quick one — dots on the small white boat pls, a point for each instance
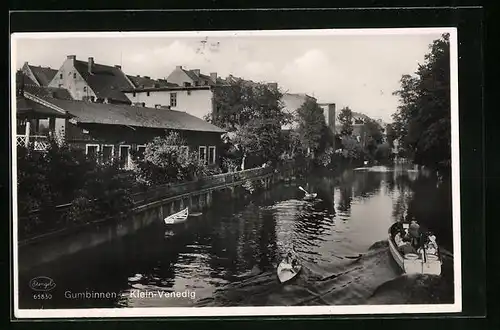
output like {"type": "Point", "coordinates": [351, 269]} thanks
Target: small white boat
{"type": "Point", "coordinates": [177, 217]}
{"type": "Point", "coordinates": [412, 263]}
{"type": "Point", "coordinates": [310, 196]}
{"type": "Point", "coordinates": [286, 272]}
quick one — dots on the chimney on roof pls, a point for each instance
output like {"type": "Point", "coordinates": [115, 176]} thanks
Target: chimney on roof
{"type": "Point", "coordinates": [213, 76]}
{"type": "Point", "coordinates": [196, 71]}
{"type": "Point", "coordinates": [91, 64]}
{"type": "Point", "coordinates": [179, 67]}
{"type": "Point", "coordinates": [71, 57]}
{"type": "Point", "coordinates": [118, 67]}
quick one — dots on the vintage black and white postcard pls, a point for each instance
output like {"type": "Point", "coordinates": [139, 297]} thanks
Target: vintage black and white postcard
{"type": "Point", "coordinates": [231, 173]}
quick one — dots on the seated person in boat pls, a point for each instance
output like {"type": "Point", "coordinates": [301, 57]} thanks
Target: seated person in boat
{"type": "Point", "coordinates": [429, 244]}
{"type": "Point", "coordinates": [432, 247]}
{"type": "Point", "coordinates": [290, 261]}
{"type": "Point", "coordinates": [408, 241]}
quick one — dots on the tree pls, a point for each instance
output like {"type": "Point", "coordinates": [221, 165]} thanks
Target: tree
{"type": "Point", "coordinates": [391, 135]}
{"type": "Point", "coordinates": [422, 121]}
{"type": "Point", "coordinates": [351, 148]}
{"type": "Point", "coordinates": [312, 129]}
{"type": "Point", "coordinates": [345, 119]}
{"type": "Point", "coordinates": [254, 111]}
{"type": "Point", "coordinates": [373, 136]}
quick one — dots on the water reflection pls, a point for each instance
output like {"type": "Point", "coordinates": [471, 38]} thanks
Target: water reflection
{"type": "Point", "coordinates": [229, 254]}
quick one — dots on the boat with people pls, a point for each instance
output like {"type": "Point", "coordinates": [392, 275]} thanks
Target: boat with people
{"type": "Point", "coordinates": [288, 268]}
{"type": "Point", "coordinates": [413, 251]}
{"type": "Point", "coordinates": [178, 217]}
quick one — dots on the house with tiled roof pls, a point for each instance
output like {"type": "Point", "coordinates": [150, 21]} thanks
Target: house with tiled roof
{"type": "Point", "coordinates": [186, 90]}
{"type": "Point", "coordinates": [114, 130]}
{"type": "Point", "coordinates": [88, 80]}
{"type": "Point", "coordinates": [38, 75]}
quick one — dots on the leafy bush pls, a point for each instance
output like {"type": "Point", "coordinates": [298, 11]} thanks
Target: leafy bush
{"type": "Point", "coordinates": [62, 175]}
{"type": "Point", "coordinates": [165, 162]}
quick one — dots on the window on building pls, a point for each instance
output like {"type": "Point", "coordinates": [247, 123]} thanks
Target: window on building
{"type": "Point", "coordinates": [133, 94]}
{"type": "Point", "coordinates": [187, 84]}
{"type": "Point", "coordinates": [124, 156]}
{"type": "Point", "coordinates": [60, 85]}
{"type": "Point", "coordinates": [203, 153]}
{"type": "Point", "coordinates": [107, 153]}
{"type": "Point", "coordinates": [60, 76]}
{"type": "Point", "coordinates": [141, 149]}
{"type": "Point", "coordinates": [147, 93]}
{"type": "Point", "coordinates": [188, 92]}
{"type": "Point", "coordinates": [211, 155]}
{"type": "Point", "coordinates": [85, 89]}
{"type": "Point", "coordinates": [74, 75]}
{"type": "Point", "coordinates": [92, 150]}
{"type": "Point", "coordinates": [173, 99]}
{"type": "Point", "coordinates": [92, 99]}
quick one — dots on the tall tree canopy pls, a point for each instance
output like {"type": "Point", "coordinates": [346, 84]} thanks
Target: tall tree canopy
{"type": "Point", "coordinates": [312, 128]}
{"type": "Point", "coordinates": [254, 112]}
{"type": "Point", "coordinates": [422, 121]}
{"type": "Point", "coordinates": [345, 119]}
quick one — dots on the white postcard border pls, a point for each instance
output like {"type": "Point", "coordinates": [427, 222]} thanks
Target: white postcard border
{"type": "Point", "coordinates": [251, 311]}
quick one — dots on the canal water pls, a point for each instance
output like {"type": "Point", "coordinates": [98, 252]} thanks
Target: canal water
{"type": "Point", "coordinates": [228, 255]}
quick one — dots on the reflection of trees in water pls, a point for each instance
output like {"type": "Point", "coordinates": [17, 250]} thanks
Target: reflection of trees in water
{"type": "Point", "coordinates": [243, 241]}
{"type": "Point", "coordinates": [367, 183]}
{"type": "Point", "coordinates": [400, 207]}
{"type": "Point", "coordinates": [431, 206]}
{"type": "Point", "coordinates": [421, 200]}
{"type": "Point", "coordinates": [345, 198]}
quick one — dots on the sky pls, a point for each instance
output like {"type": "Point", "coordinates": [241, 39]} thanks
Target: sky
{"type": "Point", "coordinates": [360, 71]}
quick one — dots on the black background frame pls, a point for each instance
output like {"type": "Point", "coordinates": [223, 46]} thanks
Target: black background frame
{"type": "Point", "coordinates": [469, 22]}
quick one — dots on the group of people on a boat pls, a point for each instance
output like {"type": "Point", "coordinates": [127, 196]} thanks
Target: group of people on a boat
{"type": "Point", "coordinates": [413, 240]}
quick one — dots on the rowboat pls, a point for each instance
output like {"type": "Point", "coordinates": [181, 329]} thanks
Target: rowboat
{"type": "Point", "coordinates": [177, 217]}
{"type": "Point", "coordinates": [310, 196]}
{"type": "Point", "coordinates": [286, 272]}
{"type": "Point", "coordinates": [412, 263]}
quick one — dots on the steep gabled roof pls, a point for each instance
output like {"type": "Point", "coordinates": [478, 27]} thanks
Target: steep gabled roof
{"type": "Point", "coordinates": [43, 75]}
{"type": "Point", "coordinates": [50, 92]}
{"type": "Point", "coordinates": [21, 78]}
{"type": "Point", "coordinates": [31, 87]}
{"type": "Point", "coordinates": [127, 115]}
{"type": "Point", "coordinates": [106, 81]}
{"type": "Point", "coordinates": [146, 82]}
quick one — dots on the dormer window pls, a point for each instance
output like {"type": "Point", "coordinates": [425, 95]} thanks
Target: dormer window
{"type": "Point", "coordinates": [187, 84]}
